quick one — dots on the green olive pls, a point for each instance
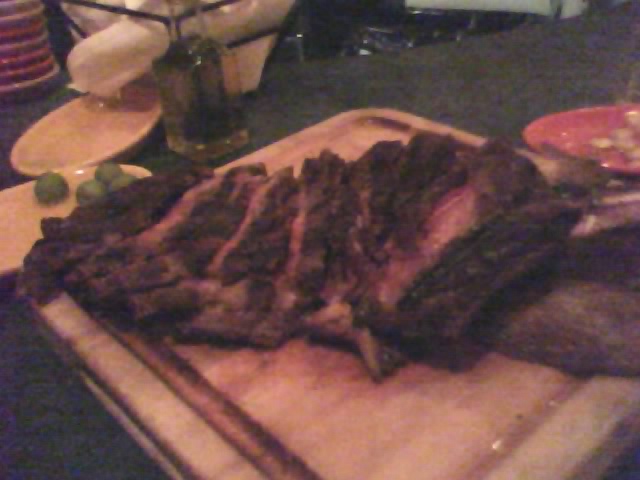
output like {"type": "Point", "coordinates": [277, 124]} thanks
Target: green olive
{"type": "Point", "coordinates": [50, 188]}
{"type": "Point", "coordinates": [122, 181]}
{"type": "Point", "coordinates": [108, 172]}
{"type": "Point", "coordinates": [90, 191]}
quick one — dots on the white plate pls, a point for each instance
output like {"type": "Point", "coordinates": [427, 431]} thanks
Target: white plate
{"type": "Point", "coordinates": [81, 133]}
{"type": "Point", "coordinates": [20, 215]}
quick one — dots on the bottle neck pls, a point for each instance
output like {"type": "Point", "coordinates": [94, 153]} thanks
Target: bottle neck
{"type": "Point", "coordinates": [175, 8]}
{"type": "Point", "coordinates": [199, 14]}
{"type": "Point", "coordinates": [173, 27]}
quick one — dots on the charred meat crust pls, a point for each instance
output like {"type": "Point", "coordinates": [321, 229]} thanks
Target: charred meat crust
{"type": "Point", "coordinates": [475, 263]}
{"type": "Point", "coordinates": [66, 242]}
{"type": "Point", "coordinates": [263, 248]}
{"type": "Point", "coordinates": [127, 212]}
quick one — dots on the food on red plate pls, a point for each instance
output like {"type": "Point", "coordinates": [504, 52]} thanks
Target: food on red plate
{"type": "Point", "coordinates": [623, 141]}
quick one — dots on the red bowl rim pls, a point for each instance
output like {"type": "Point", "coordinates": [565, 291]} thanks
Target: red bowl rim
{"type": "Point", "coordinates": [35, 42]}
{"type": "Point", "coordinates": [38, 68]}
{"type": "Point", "coordinates": [22, 85]}
{"type": "Point", "coordinates": [25, 57]}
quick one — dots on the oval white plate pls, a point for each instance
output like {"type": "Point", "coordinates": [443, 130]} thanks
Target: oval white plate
{"type": "Point", "coordinates": [82, 133]}
{"type": "Point", "coordinates": [21, 214]}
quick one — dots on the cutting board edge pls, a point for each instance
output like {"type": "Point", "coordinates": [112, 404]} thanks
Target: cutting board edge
{"type": "Point", "coordinates": [403, 120]}
{"type": "Point", "coordinates": [107, 399]}
{"type": "Point", "coordinates": [67, 336]}
{"type": "Point", "coordinates": [577, 429]}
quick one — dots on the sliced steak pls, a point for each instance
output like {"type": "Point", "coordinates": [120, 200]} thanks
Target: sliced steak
{"type": "Point", "coordinates": [171, 250]}
{"type": "Point", "coordinates": [215, 217]}
{"type": "Point", "coordinates": [375, 177]}
{"type": "Point", "coordinates": [239, 313]}
{"type": "Point", "coordinates": [383, 184]}
{"type": "Point", "coordinates": [502, 214]}
{"type": "Point", "coordinates": [406, 242]}
{"type": "Point", "coordinates": [443, 300]}
{"type": "Point", "coordinates": [88, 229]}
{"type": "Point", "coordinates": [261, 242]}
{"type": "Point", "coordinates": [248, 267]}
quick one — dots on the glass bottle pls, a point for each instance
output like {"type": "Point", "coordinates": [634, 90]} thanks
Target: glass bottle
{"type": "Point", "coordinates": [200, 93]}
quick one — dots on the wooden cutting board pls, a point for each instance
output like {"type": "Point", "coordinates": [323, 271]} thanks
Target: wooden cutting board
{"type": "Point", "coordinates": [309, 411]}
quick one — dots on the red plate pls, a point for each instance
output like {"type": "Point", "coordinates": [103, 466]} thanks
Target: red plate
{"type": "Point", "coordinates": [572, 132]}
{"type": "Point", "coordinates": [25, 59]}
{"type": "Point", "coordinates": [31, 72]}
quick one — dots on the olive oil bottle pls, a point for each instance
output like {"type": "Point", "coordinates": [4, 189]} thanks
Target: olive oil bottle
{"type": "Point", "coordinates": [200, 93]}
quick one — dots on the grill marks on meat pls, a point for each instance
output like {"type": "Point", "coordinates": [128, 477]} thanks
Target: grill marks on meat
{"type": "Point", "coordinates": [325, 198]}
{"type": "Point", "coordinates": [248, 268]}
{"type": "Point", "coordinates": [344, 210]}
{"type": "Point", "coordinates": [436, 302]}
{"type": "Point", "coordinates": [215, 217]}
{"type": "Point", "coordinates": [405, 242]}
{"type": "Point", "coordinates": [127, 212]}
{"type": "Point", "coordinates": [66, 242]}
{"type": "Point", "coordinates": [154, 237]}
{"type": "Point", "coordinates": [427, 214]}
{"type": "Point", "coordinates": [492, 191]}
{"type": "Point", "coordinates": [375, 178]}
{"type": "Point", "coordinates": [260, 244]}
{"type": "Point", "coordinates": [454, 215]}
{"type": "Point", "coordinates": [387, 249]}
{"type": "Point", "coordinates": [169, 252]}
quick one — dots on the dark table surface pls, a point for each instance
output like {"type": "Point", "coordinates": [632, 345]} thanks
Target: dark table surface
{"type": "Point", "coordinates": [52, 428]}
